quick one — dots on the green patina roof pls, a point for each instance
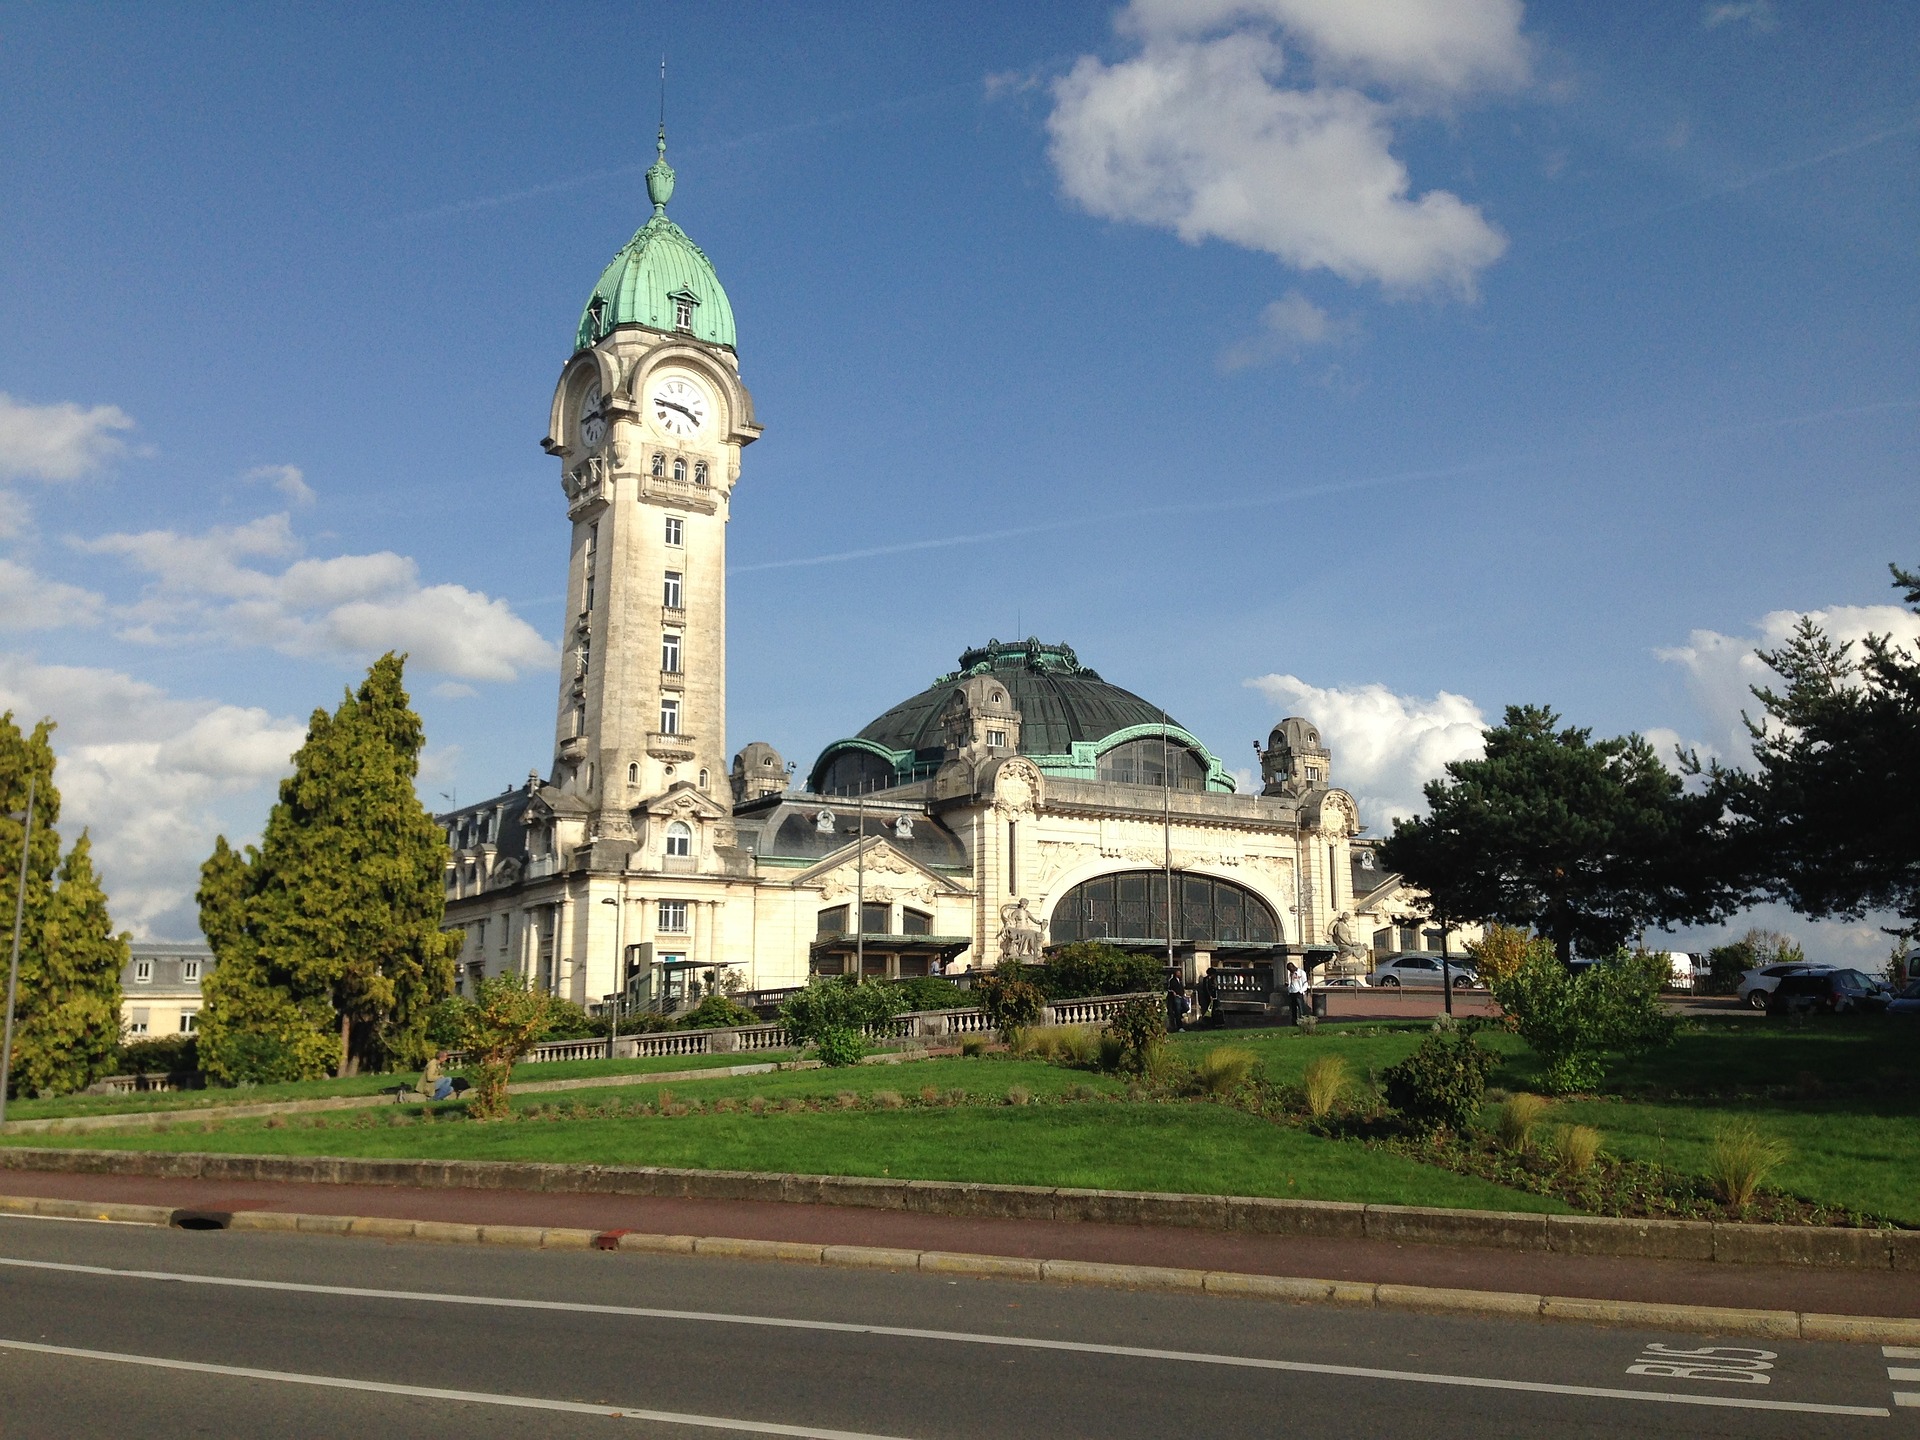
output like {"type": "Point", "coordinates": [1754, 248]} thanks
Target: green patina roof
{"type": "Point", "coordinates": [657, 266]}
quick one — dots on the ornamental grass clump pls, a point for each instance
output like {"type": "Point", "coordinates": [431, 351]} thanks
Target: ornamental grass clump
{"type": "Point", "coordinates": [888, 1100]}
{"type": "Point", "coordinates": [973, 1046]}
{"type": "Point", "coordinates": [1518, 1118]}
{"type": "Point", "coordinates": [1742, 1159]}
{"type": "Point", "coordinates": [1018, 1095]}
{"type": "Point", "coordinates": [1323, 1083]}
{"type": "Point", "coordinates": [1579, 1147]}
{"type": "Point", "coordinates": [1224, 1069]}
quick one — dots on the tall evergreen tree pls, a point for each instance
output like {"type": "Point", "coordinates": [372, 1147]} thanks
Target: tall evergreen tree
{"type": "Point", "coordinates": [1582, 841]}
{"type": "Point", "coordinates": [335, 922]}
{"type": "Point", "coordinates": [67, 1015]}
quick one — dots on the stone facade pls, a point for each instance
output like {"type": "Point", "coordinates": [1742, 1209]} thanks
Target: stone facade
{"type": "Point", "coordinates": [160, 988]}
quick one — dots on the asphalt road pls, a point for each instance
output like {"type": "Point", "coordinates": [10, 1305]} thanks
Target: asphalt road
{"type": "Point", "coordinates": [135, 1332]}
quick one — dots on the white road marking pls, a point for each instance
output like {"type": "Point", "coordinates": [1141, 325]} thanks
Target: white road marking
{"type": "Point", "coordinates": [1901, 1352]}
{"type": "Point", "coordinates": [76, 1219]}
{"type": "Point", "coordinates": [1907, 1397]}
{"type": "Point", "coordinates": [1903, 1372]}
{"type": "Point", "coordinates": [471, 1397]}
{"type": "Point", "coordinates": [1015, 1342]}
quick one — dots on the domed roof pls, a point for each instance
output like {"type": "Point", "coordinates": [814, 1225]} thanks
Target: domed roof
{"type": "Point", "coordinates": [1060, 701]}
{"type": "Point", "coordinates": [658, 267]}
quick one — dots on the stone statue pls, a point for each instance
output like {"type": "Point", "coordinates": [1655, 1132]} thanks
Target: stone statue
{"type": "Point", "coordinates": [1019, 933]}
{"type": "Point", "coordinates": [1354, 957]}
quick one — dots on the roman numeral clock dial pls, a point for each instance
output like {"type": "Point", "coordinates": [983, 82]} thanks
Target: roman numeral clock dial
{"type": "Point", "coordinates": [679, 406]}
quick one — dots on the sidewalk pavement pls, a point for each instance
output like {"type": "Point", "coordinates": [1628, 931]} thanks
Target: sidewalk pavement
{"type": "Point", "coordinates": [1849, 1292]}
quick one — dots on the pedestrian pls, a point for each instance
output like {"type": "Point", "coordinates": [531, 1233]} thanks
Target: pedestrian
{"type": "Point", "coordinates": [1177, 1004]}
{"type": "Point", "coordinates": [434, 1083]}
{"type": "Point", "coordinates": [1296, 991]}
{"type": "Point", "coordinates": [1209, 996]}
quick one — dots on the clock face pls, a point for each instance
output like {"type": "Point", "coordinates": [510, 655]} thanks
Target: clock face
{"type": "Point", "coordinates": [679, 406]}
{"type": "Point", "coordinates": [593, 425]}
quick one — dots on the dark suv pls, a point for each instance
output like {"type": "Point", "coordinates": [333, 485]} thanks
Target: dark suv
{"type": "Point", "coordinates": [1831, 992]}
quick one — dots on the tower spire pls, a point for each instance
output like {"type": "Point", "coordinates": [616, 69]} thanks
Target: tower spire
{"type": "Point", "coordinates": [660, 174]}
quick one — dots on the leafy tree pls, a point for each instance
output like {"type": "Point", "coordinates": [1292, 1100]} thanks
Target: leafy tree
{"type": "Point", "coordinates": [1727, 963]}
{"type": "Point", "coordinates": [335, 953]}
{"type": "Point", "coordinates": [1499, 952]}
{"type": "Point", "coordinates": [832, 1014]}
{"type": "Point", "coordinates": [67, 1013]}
{"type": "Point", "coordinates": [505, 1020]}
{"type": "Point", "coordinates": [1574, 1022]}
{"type": "Point", "coordinates": [1827, 819]}
{"type": "Point", "coordinates": [1584, 841]}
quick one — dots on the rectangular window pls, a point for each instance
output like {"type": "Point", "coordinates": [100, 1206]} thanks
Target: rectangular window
{"type": "Point", "coordinates": [190, 971]}
{"type": "Point", "coordinates": [673, 917]}
{"type": "Point", "coordinates": [676, 530]}
{"type": "Point", "coordinates": [832, 921]}
{"type": "Point", "coordinates": [671, 597]}
{"type": "Point", "coordinates": [579, 720]}
{"type": "Point", "coordinates": [669, 716]}
{"type": "Point", "coordinates": [876, 919]}
{"type": "Point", "coordinates": [139, 1019]}
{"type": "Point", "coordinates": [143, 972]}
{"type": "Point", "coordinates": [915, 922]}
{"type": "Point", "coordinates": [189, 1021]}
{"type": "Point", "coordinates": [670, 652]}
{"type": "Point", "coordinates": [683, 314]}
{"type": "Point", "coordinates": [913, 967]}
{"type": "Point", "coordinates": [996, 739]}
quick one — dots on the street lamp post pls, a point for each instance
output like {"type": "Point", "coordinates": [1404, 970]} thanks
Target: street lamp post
{"type": "Point", "coordinates": [13, 965]}
{"type": "Point", "coordinates": [619, 969]}
{"type": "Point", "coordinates": [1446, 970]}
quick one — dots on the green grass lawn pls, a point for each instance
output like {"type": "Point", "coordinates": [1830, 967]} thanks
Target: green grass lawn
{"type": "Point", "coordinates": [71, 1105]}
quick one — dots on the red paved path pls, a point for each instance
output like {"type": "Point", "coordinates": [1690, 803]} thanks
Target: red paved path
{"type": "Point", "coordinates": [1846, 1292]}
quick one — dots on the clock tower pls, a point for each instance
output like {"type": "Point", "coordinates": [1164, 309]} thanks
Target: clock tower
{"type": "Point", "coordinates": [648, 422]}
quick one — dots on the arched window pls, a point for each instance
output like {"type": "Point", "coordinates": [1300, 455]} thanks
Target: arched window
{"type": "Point", "coordinates": [1131, 907]}
{"type": "Point", "coordinates": [699, 472]}
{"type": "Point", "coordinates": [633, 774]}
{"type": "Point", "coordinates": [1147, 760]}
{"type": "Point", "coordinates": [659, 464]}
{"type": "Point", "coordinates": [704, 777]}
{"type": "Point", "coordinates": [679, 840]}
{"type": "Point", "coordinates": [679, 469]}
{"type": "Point", "coordinates": [854, 771]}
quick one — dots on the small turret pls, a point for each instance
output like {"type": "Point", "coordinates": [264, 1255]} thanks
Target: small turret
{"type": "Point", "coordinates": [1294, 761]}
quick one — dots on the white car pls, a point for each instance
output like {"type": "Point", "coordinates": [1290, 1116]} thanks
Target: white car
{"type": "Point", "coordinates": [1757, 985]}
{"type": "Point", "coordinates": [1423, 971]}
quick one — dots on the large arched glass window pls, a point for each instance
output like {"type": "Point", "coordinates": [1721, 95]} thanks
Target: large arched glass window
{"type": "Point", "coordinates": [855, 771]}
{"type": "Point", "coordinates": [1147, 761]}
{"type": "Point", "coordinates": [679, 839]}
{"type": "Point", "coordinates": [1132, 907]}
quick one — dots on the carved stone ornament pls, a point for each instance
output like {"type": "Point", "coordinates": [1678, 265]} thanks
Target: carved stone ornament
{"type": "Point", "coordinates": [1016, 788]}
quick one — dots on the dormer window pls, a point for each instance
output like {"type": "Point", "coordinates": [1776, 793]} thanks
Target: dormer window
{"type": "Point", "coordinates": [679, 840]}
{"type": "Point", "coordinates": [597, 309]}
{"type": "Point", "coordinates": [903, 827]}
{"type": "Point", "coordinates": [682, 313]}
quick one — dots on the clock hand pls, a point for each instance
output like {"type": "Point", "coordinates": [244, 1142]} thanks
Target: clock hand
{"type": "Point", "coordinates": [671, 405]}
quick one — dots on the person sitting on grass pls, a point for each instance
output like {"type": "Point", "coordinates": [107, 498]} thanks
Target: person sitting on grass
{"type": "Point", "coordinates": [434, 1084]}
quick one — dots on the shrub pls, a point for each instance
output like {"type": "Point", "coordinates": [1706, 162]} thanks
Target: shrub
{"type": "Point", "coordinates": [1573, 1022]}
{"type": "Point", "coordinates": [1518, 1117]}
{"type": "Point", "coordinates": [254, 1057]}
{"type": "Point", "coordinates": [1441, 1084]}
{"type": "Point", "coordinates": [1110, 1051]}
{"type": "Point", "coordinates": [1139, 1025]}
{"type": "Point", "coordinates": [717, 1012]}
{"type": "Point", "coordinates": [888, 1099]}
{"type": "Point", "coordinates": [832, 1014]}
{"type": "Point", "coordinates": [1307, 1024]}
{"type": "Point", "coordinates": [1323, 1082]}
{"type": "Point", "coordinates": [1018, 1095]}
{"type": "Point", "coordinates": [502, 1023]}
{"type": "Point", "coordinates": [1011, 1002]}
{"type": "Point", "coordinates": [171, 1053]}
{"type": "Point", "coordinates": [1088, 967]}
{"type": "Point", "coordinates": [1579, 1148]}
{"type": "Point", "coordinates": [930, 992]}
{"type": "Point", "coordinates": [1224, 1069]}
{"type": "Point", "coordinates": [569, 1022]}
{"type": "Point", "coordinates": [1082, 1092]}
{"type": "Point", "coordinates": [1742, 1159]}
{"type": "Point", "coordinates": [847, 1100]}
{"type": "Point", "coordinates": [973, 1046]}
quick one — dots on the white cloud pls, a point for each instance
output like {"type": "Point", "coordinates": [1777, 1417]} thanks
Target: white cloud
{"type": "Point", "coordinates": [1757, 14]}
{"type": "Point", "coordinates": [1289, 327]}
{"type": "Point", "coordinates": [1198, 133]}
{"type": "Point", "coordinates": [210, 586]}
{"type": "Point", "coordinates": [58, 442]}
{"type": "Point", "coordinates": [1385, 746]}
{"type": "Point", "coordinates": [1723, 669]}
{"type": "Point", "coordinates": [152, 777]}
{"type": "Point", "coordinates": [289, 480]}
{"type": "Point", "coordinates": [29, 601]}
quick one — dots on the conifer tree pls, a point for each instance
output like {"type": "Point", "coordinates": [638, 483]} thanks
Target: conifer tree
{"type": "Point", "coordinates": [67, 1014]}
{"type": "Point", "coordinates": [335, 923]}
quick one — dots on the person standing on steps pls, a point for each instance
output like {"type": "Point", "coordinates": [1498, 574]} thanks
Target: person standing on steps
{"type": "Point", "coordinates": [1296, 991]}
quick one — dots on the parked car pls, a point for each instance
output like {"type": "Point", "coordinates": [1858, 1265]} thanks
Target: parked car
{"type": "Point", "coordinates": [1417, 970]}
{"type": "Point", "coordinates": [1827, 992]}
{"type": "Point", "coordinates": [1757, 985]}
{"type": "Point", "coordinates": [1907, 1002]}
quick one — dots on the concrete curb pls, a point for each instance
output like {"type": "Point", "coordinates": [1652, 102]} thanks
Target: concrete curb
{"type": "Point", "coordinates": [1809, 1246]}
{"type": "Point", "coordinates": [1419, 1299]}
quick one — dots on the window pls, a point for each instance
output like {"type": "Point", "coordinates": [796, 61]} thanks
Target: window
{"type": "Point", "coordinates": [1315, 775]}
{"type": "Point", "coordinates": [1383, 940]}
{"type": "Point", "coordinates": [143, 972]}
{"type": "Point", "coordinates": [673, 915]}
{"type": "Point", "coordinates": [189, 1021]}
{"type": "Point", "coordinates": [915, 922]}
{"type": "Point", "coordinates": [700, 472]}
{"type": "Point", "coordinates": [679, 468]}
{"type": "Point", "coordinates": [592, 551]}
{"type": "Point", "coordinates": [1132, 906]}
{"type": "Point", "coordinates": [633, 774]}
{"type": "Point", "coordinates": [659, 466]}
{"type": "Point", "coordinates": [597, 309]}
{"type": "Point", "coordinates": [679, 839]}
{"type": "Point", "coordinates": [876, 919]}
{"type": "Point", "coordinates": [1145, 762]}
{"type": "Point", "coordinates": [676, 530]}
{"type": "Point", "coordinates": [669, 716]}
{"type": "Point", "coordinates": [996, 739]}
{"type": "Point", "coordinates": [583, 656]}
{"type": "Point", "coordinates": [832, 922]}
{"type": "Point", "coordinates": [480, 935]}
{"type": "Point", "coordinates": [1433, 940]}
{"type": "Point", "coordinates": [704, 777]}
{"type": "Point", "coordinates": [670, 652]}
{"type": "Point", "coordinates": [190, 971]}
{"type": "Point", "coordinates": [682, 314]}
{"type": "Point", "coordinates": [579, 720]}
{"type": "Point", "coordinates": [138, 1021]}
{"type": "Point", "coordinates": [670, 591]}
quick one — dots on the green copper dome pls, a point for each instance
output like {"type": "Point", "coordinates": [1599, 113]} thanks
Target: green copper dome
{"type": "Point", "coordinates": [660, 278]}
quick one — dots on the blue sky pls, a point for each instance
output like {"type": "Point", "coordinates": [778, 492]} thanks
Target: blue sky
{"type": "Point", "coordinates": [1388, 372]}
